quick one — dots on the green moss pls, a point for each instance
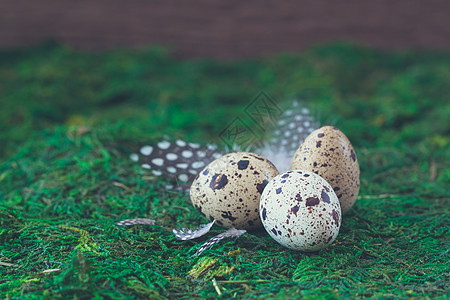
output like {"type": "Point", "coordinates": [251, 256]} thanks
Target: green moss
{"type": "Point", "coordinates": [68, 121]}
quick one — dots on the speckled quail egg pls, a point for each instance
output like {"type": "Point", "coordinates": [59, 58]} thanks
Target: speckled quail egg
{"type": "Point", "coordinates": [328, 153]}
{"type": "Point", "coordinates": [300, 210]}
{"type": "Point", "coordinates": [229, 188]}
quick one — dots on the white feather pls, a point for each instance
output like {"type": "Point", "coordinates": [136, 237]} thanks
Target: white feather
{"type": "Point", "coordinates": [280, 157]}
{"type": "Point", "coordinates": [189, 234]}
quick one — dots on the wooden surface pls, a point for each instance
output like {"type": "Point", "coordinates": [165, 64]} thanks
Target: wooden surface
{"type": "Point", "coordinates": [228, 28]}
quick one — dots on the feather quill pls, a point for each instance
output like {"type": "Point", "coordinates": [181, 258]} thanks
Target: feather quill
{"type": "Point", "coordinates": [185, 234]}
{"type": "Point", "coordinates": [138, 221]}
{"type": "Point", "coordinates": [232, 232]}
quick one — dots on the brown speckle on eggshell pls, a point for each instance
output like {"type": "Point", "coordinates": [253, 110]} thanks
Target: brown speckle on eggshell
{"type": "Point", "coordinates": [305, 215]}
{"type": "Point", "coordinates": [229, 188]}
{"type": "Point", "coordinates": [328, 153]}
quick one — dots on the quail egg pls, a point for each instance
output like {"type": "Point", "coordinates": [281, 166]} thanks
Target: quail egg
{"type": "Point", "coordinates": [328, 153]}
{"type": "Point", "coordinates": [229, 188]}
{"type": "Point", "coordinates": [300, 210]}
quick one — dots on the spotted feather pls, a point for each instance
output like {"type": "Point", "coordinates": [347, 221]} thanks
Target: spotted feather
{"type": "Point", "coordinates": [181, 161]}
{"type": "Point", "coordinates": [291, 129]}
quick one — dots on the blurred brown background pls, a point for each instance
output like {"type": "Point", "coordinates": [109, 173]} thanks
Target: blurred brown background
{"type": "Point", "coordinates": [226, 29]}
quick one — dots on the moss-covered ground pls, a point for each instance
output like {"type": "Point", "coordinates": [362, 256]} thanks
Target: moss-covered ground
{"type": "Point", "coordinates": [69, 120]}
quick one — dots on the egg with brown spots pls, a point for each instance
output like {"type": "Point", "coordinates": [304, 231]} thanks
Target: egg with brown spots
{"type": "Point", "coordinates": [229, 188]}
{"type": "Point", "coordinates": [300, 210]}
{"type": "Point", "coordinates": [328, 153]}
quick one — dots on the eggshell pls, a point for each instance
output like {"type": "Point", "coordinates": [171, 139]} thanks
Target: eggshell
{"type": "Point", "coordinates": [229, 188]}
{"type": "Point", "coordinates": [328, 153]}
{"type": "Point", "coordinates": [300, 211]}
